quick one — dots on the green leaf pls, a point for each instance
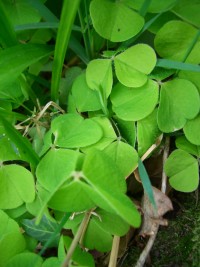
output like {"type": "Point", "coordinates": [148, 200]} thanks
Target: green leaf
{"type": "Point", "coordinates": [80, 257]}
{"type": "Point", "coordinates": [179, 102]}
{"type": "Point", "coordinates": [102, 241]}
{"type": "Point", "coordinates": [147, 132]}
{"type": "Point", "coordinates": [132, 104]}
{"type": "Point", "coordinates": [114, 20]}
{"type": "Point", "coordinates": [56, 167]}
{"type": "Point", "coordinates": [188, 11]}
{"type": "Point", "coordinates": [72, 197]}
{"type": "Point", "coordinates": [52, 261]}
{"type": "Point", "coordinates": [125, 157]}
{"type": "Point", "coordinates": [84, 98]}
{"type": "Point", "coordinates": [155, 6]}
{"type": "Point", "coordinates": [174, 39]}
{"type": "Point", "coordinates": [42, 231]}
{"type": "Point", "coordinates": [133, 65]}
{"type": "Point", "coordinates": [99, 76]}
{"type": "Point", "coordinates": [7, 34]}
{"type": "Point", "coordinates": [17, 58]}
{"type": "Point", "coordinates": [14, 181]}
{"type": "Point", "coordinates": [62, 40]}
{"type": "Point", "coordinates": [192, 77]}
{"type": "Point", "coordinates": [20, 144]}
{"type": "Point", "coordinates": [146, 182]}
{"type": "Point", "coordinates": [11, 240]}
{"type": "Point", "coordinates": [108, 137]}
{"type": "Point", "coordinates": [71, 131]}
{"type": "Point", "coordinates": [21, 12]}
{"type": "Point", "coordinates": [184, 144]}
{"type": "Point", "coordinates": [27, 259]}
{"type": "Point", "coordinates": [183, 171]}
{"type": "Point", "coordinates": [127, 130]}
{"type": "Point", "coordinates": [192, 129]}
{"type": "Point", "coordinates": [107, 187]}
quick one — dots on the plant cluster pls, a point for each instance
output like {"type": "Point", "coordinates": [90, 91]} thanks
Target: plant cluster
{"type": "Point", "coordinates": [124, 77]}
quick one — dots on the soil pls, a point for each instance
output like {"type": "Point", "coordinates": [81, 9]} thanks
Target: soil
{"type": "Point", "coordinates": [178, 244]}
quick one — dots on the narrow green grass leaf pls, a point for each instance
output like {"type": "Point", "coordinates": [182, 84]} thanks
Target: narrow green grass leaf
{"type": "Point", "coordinates": [17, 58]}
{"type": "Point", "coordinates": [144, 7]}
{"type": "Point", "coordinates": [7, 34]}
{"type": "Point", "coordinates": [22, 144]}
{"type": "Point", "coordinates": [43, 10]}
{"type": "Point", "coordinates": [69, 11]}
{"type": "Point", "coordinates": [42, 25]}
{"type": "Point", "coordinates": [56, 232]}
{"type": "Point", "coordinates": [146, 182]}
{"type": "Point", "coordinates": [177, 65]}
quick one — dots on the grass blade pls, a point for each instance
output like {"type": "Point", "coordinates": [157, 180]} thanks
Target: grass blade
{"type": "Point", "coordinates": [14, 60]}
{"type": "Point", "coordinates": [22, 144]}
{"type": "Point", "coordinates": [177, 65]}
{"type": "Point", "coordinates": [146, 182]}
{"type": "Point", "coordinates": [69, 11]}
{"type": "Point", "coordinates": [7, 34]}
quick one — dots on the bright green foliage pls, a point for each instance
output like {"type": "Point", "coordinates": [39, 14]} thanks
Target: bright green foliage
{"type": "Point", "coordinates": [179, 102]}
{"type": "Point", "coordinates": [192, 129]}
{"type": "Point", "coordinates": [147, 132]}
{"type": "Point", "coordinates": [25, 259]}
{"type": "Point", "coordinates": [155, 6]}
{"type": "Point", "coordinates": [124, 155]}
{"type": "Point", "coordinates": [182, 169]}
{"type": "Point", "coordinates": [14, 181]}
{"type": "Point", "coordinates": [17, 58]}
{"type": "Point", "coordinates": [121, 94]}
{"type": "Point", "coordinates": [174, 39]}
{"type": "Point", "coordinates": [133, 104]}
{"type": "Point", "coordinates": [11, 240]}
{"type": "Point", "coordinates": [72, 131]}
{"type": "Point", "coordinates": [189, 11]}
{"type": "Point", "coordinates": [20, 12]}
{"type": "Point", "coordinates": [99, 76]}
{"type": "Point", "coordinates": [133, 65]}
{"type": "Point", "coordinates": [115, 21]}
{"type": "Point", "coordinates": [184, 144]}
{"type": "Point", "coordinates": [83, 97]}
{"type": "Point", "coordinates": [109, 134]}
{"type": "Point", "coordinates": [80, 257]}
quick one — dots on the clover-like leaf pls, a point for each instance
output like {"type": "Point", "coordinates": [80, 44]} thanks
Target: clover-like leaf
{"type": "Point", "coordinates": [184, 144]}
{"type": "Point", "coordinates": [179, 102]}
{"type": "Point", "coordinates": [99, 76]}
{"type": "Point", "coordinates": [155, 6]}
{"type": "Point", "coordinates": [183, 171]}
{"type": "Point", "coordinates": [133, 65]}
{"type": "Point", "coordinates": [83, 97]}
{"type": "Point", "coordinates": [192, 129]}
{"type": "Point", "coordinates": [132, 104]}
{"type": "Point", "coordinates": [115, 20]}
{"type": "Point", "coordinates": [174, 39]}
{"type": "Point", "coordinates": [27, 259]}
{"type": "Point", "coordinates": [147, 132]}
{"type": "Point", "coordinates": [71, 131]}
{"type": "Point", "coordinates": [124, 155]}
{"type": "Point", "coordinates": [14, 181]}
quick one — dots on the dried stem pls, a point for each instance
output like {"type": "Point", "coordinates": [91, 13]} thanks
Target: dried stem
{"type": "Point", "coordinates": [76, 239]}
{"type": "Point", "coordinates": [114, 252]}
{"type": "Point", "coordinates": [143, 256]}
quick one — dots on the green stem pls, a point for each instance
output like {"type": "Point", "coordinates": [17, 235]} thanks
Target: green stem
{"type": "Point", "coordinates": [76, 239]}
{"type": "Point", "coordinates": [144, 7]}
{"type": "Point", "coordinates": [57, 231]}
{"type": "Point", "coordinates": [85, 37]}
{"type": "Point", "coordinates": [191, 45]}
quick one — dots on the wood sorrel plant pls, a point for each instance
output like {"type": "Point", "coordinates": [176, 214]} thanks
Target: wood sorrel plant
{"type": "Point", "coordinates": [125, 75]}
